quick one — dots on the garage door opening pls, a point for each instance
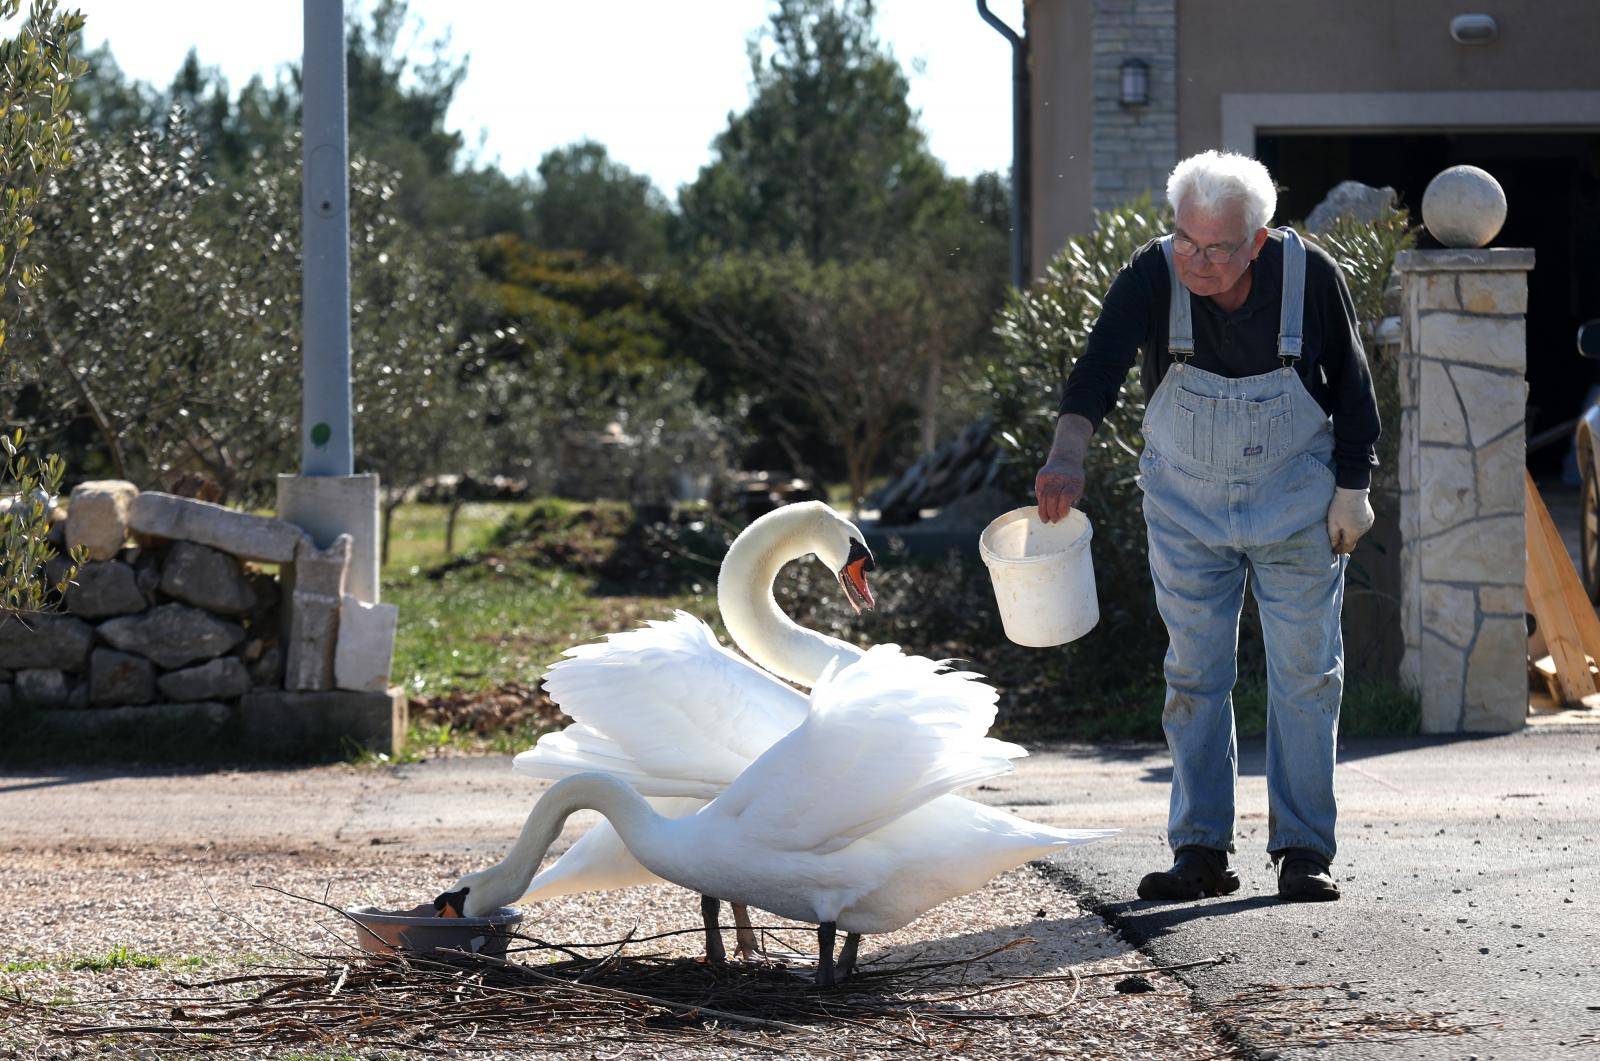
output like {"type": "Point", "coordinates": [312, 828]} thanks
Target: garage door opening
{"type": "Point", "coordinates": [1552, 184]}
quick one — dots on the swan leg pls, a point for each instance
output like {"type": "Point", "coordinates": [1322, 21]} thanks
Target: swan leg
{"type": "Point", "coordinates": [847, 954]}
{"type": "Point", "coordinates": [825, 934]}
{"type": "Point", "coordinates": [746, 948]}
{"type": "Point", "coordinates": [709, 910]}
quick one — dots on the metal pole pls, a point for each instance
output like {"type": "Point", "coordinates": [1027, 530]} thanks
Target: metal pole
{"type": "Point", "coordinates": [1021, 148]}
{"type": "Point", "coordinates": [326, 439]}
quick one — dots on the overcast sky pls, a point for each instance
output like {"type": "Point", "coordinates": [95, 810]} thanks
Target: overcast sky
{"type": "Point", "coordinates": [652, 80]}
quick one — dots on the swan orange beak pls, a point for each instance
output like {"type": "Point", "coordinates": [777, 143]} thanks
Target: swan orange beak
{"type": "Point", "coordinates": [853, 578]}
{"type": "Point", "coordinates": [451, 904]}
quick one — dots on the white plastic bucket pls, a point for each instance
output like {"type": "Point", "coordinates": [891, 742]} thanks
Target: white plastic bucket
{"type": "Point", "coordinates": [1043, 576]}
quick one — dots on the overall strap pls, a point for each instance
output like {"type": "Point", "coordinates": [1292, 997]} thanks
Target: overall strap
{"type": "Point", "coordinates": [1180, 328]}
{"type": "Point", "coordinates": [1291, 322]}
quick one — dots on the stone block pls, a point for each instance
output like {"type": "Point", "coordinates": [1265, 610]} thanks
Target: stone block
{"type": "Point", "coordinates": [59, 642]}
{"type": "Point", "coordinates": [327, 506]}
{"type": "Point", "coordinates": [78, 695]}
{"type": "Point", "coordinates": [283, 722]}
{"type": "Point", "coordinates": [268, 670]}
{"type": "Point", "coordinates": [1464, 259]}
{"type": "Point", "coordinates": [173, 635]}
{"type": "Point", "coordinates": [105, 588]}
{"type": "Point", "coordinates": [147, 574]}
{"type": "Point", "coordinates": [1496, 342]}
{"type": "Point", "coordinates": [240, 534]}
{"type": "Point", "coordinates": [1494, 292]}
{"type": "Point", "coordinates": [1442, 680]}
{"type": "Point", "coordinates": [1437, 291]}
{"type": "Point", "coordinates": [206, 578]}
{"type": "Point", "coordinates": [1449, 612]}
{"type": "Point", "coordinates": [1496, 694]}
{"type": "Point", "coordinates": [366, 644]}
{"type": "Point", "coordinates": [120, 678]}
{"type": "Point", "coordinates": [1503, 600]}
{"type": "Point", "coordinates": [198, 723]}
{"type": "Point", "coordinates": [40, 688]}
{"type": "Point", "coordinates": [1494, 403]}
{"type": "Point", "coordinates": [1448, 488]}
{"type": "Point", "coordinates": [1490, 551]}
{"type": "Point", "coordinates": [1499, 475]}
{"type": "Point", "coordinates": [313, 635]}
{"type": "Point", "coordinates": [1438, 409]}
{"type": "Point", "coordinates": [8, 698]}
{"type": "Point", "coordinates": [97, 517]}
{"type": "Point", "coordinates": [223, 678]}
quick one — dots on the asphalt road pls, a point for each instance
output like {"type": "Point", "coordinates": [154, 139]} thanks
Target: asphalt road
{"type": "Point", "coordinates": [1469, 869]}
{"type": "Point", "coordinates": [1468, 928]}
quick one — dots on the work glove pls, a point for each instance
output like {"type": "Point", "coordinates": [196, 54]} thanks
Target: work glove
{"type": "Point", "coordinates": [1349, 517]}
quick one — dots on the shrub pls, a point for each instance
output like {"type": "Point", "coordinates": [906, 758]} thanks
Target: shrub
{"type": "Point", "coordinates": [1045, 330]}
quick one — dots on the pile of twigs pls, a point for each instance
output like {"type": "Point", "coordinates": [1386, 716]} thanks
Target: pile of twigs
{"type": "Point", "coordinates": [549, 995]}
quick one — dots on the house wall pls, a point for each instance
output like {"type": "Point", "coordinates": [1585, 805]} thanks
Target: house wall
{"type": "Point", "coordinates": [1223, 70]}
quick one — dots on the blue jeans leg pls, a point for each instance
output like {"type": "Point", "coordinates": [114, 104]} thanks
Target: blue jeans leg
{"type": "Point", "coordinates": [1199, 592]}
{"type": "Point", "coordinates": [1299, 586]}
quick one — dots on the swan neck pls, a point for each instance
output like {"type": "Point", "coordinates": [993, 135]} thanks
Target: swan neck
{"type": "Point", "coordinates": [750, 612]}
{"type": "Point", "coordinates": [629, 814]}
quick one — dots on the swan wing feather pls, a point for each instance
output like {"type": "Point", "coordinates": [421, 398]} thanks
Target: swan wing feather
{"type": "Point", "coordinates": [667, 702]}
{"type": "Point", "coordinates": [883, 736]}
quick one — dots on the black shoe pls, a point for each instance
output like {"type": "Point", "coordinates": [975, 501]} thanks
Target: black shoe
{"type": "Point", "coordinates": [1197, 873]}
{"type": "Point", "coordinates": [1303, 876]}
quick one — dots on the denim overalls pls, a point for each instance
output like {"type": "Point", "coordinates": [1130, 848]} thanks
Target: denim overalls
{"type": "Point", "coordinates": [1237, 478]}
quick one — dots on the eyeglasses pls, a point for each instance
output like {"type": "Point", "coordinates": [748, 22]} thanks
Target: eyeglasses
{"type": "Point", "coordinates": [1216, 254]}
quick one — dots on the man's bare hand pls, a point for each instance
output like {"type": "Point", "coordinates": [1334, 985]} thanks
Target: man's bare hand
{"type": "Point", "coordinates": [1059, 486]}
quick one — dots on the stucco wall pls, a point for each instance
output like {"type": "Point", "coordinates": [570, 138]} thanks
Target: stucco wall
{"type": "Point", "coordinates": [1060, 58]}
{"type": "Point", "coordinates": [1375, 52]}
{"type": "Point", "coordinates": [1372, 46]}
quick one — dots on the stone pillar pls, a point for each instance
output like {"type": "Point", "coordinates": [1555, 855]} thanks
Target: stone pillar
{"type": "Point", "coordinates": [1462, 446]}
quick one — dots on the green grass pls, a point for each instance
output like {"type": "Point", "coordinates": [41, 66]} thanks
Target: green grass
{"type": "Point", "coordinates": [416, 534]}
{"type": "Point", "coordinates": [118, 957]}
{"type": "Point", "coordinates": [479, 627]}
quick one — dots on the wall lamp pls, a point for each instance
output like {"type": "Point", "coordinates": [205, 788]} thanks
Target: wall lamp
{"type": "Point", "coordinates": [1135, 83]}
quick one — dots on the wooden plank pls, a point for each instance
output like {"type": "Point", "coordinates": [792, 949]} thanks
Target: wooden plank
{"type": "Point", "coordinates": [1578, 602]}
{"type": "Point", "coordinates": [1550, 579]}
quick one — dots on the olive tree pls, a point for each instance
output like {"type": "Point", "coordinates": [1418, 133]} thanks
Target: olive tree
{"type": "Point", "coordinates": [37, 68]}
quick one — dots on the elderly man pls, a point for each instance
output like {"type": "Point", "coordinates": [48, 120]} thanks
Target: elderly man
{"type": "Point", "coordinates": [1259, 438]}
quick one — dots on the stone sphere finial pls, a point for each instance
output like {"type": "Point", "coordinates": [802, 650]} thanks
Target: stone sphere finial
{"type": "Point", "coordinates": [1464, 206]}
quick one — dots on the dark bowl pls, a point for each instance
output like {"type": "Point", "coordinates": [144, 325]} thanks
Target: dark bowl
{"type": "Point", "coordinates": [386, 931]}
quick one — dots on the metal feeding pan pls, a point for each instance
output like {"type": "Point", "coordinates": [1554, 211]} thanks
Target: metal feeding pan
{"type": "Point", "coordinates": [386, 931]}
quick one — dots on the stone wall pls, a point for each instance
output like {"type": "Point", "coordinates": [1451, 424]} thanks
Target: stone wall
{"type": "Point", "coordinates": [174, 618]}
{"type": "Point", "coordinates": [1134, 148]}
{"type": "Point", "coordinates": [1462, 450]}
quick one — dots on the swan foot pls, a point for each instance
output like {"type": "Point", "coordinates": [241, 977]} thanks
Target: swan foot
{"type": "Point", "coordinates": [746, 948]}
{"type": "Point", "coordinates": [825, 936]}
{"type": "Point", "coordinates": [709, 910]}
{"type": "Point", "coordinates": [847, 954]}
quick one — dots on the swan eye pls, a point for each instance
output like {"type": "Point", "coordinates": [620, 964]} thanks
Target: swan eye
{"type": "Point", "coordinates": [860, 552]}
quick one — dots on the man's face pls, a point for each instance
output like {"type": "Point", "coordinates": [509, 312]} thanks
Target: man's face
{"type": "Point", "coordinates": [1223, 228]}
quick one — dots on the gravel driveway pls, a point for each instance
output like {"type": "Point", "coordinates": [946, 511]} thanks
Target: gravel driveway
{"type": "Point", "coordinates": [120, 884]}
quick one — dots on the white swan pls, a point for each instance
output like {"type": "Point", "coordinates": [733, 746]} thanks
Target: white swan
{"type": "Point", "coordinates": [844, 822]}
{"type": "Point", "coordinates": [674, 713]}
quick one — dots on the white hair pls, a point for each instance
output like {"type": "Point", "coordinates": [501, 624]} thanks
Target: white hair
{"type": "Point", "coordinates": [1214, 179]}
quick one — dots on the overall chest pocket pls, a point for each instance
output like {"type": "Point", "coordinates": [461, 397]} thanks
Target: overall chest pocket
{"type": "Point", "coordinates": [1231, 432]}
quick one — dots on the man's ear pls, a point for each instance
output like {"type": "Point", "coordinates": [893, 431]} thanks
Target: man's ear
{"type": "Point", "coordinates": [1260, 241]}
